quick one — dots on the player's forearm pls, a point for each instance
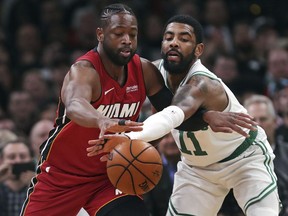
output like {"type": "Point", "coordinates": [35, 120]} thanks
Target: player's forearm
{"type": "Point", "coordinates": [83, 114]}
{"type": "Point", "coordinates": [159, 124]}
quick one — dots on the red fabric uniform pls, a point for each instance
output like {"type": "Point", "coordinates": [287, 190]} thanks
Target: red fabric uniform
{"type": "Point", "coordinates": [67, 179]}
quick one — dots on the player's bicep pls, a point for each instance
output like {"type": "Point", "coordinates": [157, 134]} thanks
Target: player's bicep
{"type": "Point", "coordinates": [190, 97]}
{"type": "Point", "coordinates": [78, 83]}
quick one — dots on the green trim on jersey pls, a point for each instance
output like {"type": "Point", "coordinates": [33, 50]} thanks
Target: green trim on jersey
{"type": "Point", "coordinates": [205, 73]}
{"type": "Point", "coordinates": [173, 211]}
{"type": "Point", "coordinates": [271, 187]}
{"type": "Point", "coordinates": [202, 73]}
{"type": "Point", "coordinates": [243, 147]}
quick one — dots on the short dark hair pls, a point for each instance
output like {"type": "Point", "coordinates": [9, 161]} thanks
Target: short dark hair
{"type": "Point", "coordinates": [112, 9]}
{"type": "Point", "coordinates": [21, 140]}
{"type": "Point", "coordinates": [189, 20]}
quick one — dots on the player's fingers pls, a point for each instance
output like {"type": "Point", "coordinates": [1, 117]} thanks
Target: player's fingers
{"type": "Point", "coordinates": [132, 123]}
{"type": "Point", "coordinates": [104, 158]}
{"type": "Point", "coordinates": [245, 115]}
{"type": "Point", "coordinates": [95, 150]}
{"type": "Point", "coordinates": [94, 153]}
{"type": "Point", "coordinates": [96, 142]}
{"type": "Point", "coordinates": [134, 128]}
{"type": "Point", "coordinates": [222, 129]}
{"type": "Point", "coordinates": [239, 130]}
{"type": "Point", "coordinates": [123, 122]}
{"type": "Point", "coordinates": [247, 119]}
{"type": "Point", "coordinates": [244, 124]}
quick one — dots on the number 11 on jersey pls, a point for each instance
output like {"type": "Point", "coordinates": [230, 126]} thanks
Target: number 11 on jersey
{"type": "Point", "coordinates": [198, 151]}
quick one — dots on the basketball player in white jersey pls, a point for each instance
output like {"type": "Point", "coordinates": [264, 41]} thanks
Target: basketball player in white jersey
{"type": "Point", "coordinates": [212, 163]}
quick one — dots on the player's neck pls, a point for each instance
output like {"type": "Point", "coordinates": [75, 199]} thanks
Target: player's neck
{"type": "Point", "coordinates": [116, 72]}
{"type": "Point", "coordinates": [174, 81]}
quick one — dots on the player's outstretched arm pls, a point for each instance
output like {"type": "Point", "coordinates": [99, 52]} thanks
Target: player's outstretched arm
{"type": "Point", "coordinates": [79, 90]}
{"type": "Point", "coordinates": [162, 122]}
{"type": "Point", "coordinates": [227, 122]}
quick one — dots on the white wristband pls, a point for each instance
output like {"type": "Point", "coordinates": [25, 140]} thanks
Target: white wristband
{"type": "Point", "coordinates": [159, 124]}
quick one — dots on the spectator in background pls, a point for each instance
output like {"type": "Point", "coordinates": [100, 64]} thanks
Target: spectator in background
{"type": "Point", "coordinates": [265, 38]}
{"type": "Point", "coordinates": [58, 70]}
{"type": "Point", "coordinates": [22, 110]}
{"type": "Point", "coordinates": [282, 135]}
{"type": "Point", "coordinates": [6, 75]}
{"type": "Point", "coordinates": [49, 111]}
{"type": "Point", "coordinates": [277, 71]}
{"type": "Point", "coordinates": [6, 136]}
{"type": "Point", "coordinates": [261, 108]}
{"type": "Point", "coordinates": [152, 37]}
{"type": "Point", "coordinates": [7, 123]}
{"type": "Point", "coordinates": [243, 39]}
{"type": "Point", "coordinates": [28, 47]}
{"type": "Point", "coordinates": [6, 83]}
{"type": "Point", "coordinates": [34, 83]}
{"type": "Point", "coordinates": [280, 100]}
{"type": "Point", "coordinates": [226, 68]}
{"type": "Point", "coordinates": [83, 27]}
{"type": "Point", "coordinates": [157, 199]}
{"type": "Point", "coordinates": [16, 13]}
{"type": "Point", "coordinates": [51, 19]}
{"type": "Point", "coordinates": [188, 7]}
{"type": "Point", "coordinates": [39, 133]}
{"type": "Point", "coordinates": [13, 187]}
{"type": "Point", "coordinates": [51, 53]}
{"type": "Point", "coordinates": [217, 32]}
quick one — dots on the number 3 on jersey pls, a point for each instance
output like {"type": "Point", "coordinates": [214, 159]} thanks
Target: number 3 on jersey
{"type": "Point", "coordinates": [198, 151]}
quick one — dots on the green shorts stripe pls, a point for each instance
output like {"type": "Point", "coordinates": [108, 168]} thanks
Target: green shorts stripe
{"type": "Point", "coordinates": [173, 211]}
{"type": "Point", "coordinates": [271, 187]}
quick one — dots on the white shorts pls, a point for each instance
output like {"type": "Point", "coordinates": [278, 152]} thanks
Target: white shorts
{"type": "Point", "coordinates": [200, 191]}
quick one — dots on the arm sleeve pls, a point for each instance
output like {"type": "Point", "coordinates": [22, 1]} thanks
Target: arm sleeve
{"type": "Point", "coordinates": [195, 122]}
{"type": "Point", "coordinates": [159, 124]}
{"type": "Point", "coordinates": [161, 99]}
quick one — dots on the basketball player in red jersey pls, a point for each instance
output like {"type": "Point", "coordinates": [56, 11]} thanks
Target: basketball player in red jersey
{"type": "Point", "coordinates": [108, 83]}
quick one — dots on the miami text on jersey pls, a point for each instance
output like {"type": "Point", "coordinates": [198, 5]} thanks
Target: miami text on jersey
{"type": "Point", "coordinates": [119, 110]}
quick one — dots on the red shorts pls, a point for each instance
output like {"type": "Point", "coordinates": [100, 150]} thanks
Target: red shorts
{"type": "Point", "coordinates": [54, 192]}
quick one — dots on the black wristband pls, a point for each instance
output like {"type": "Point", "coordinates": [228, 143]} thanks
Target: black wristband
{"type": "Point", "coordinates": [195, 122]}
{"type": "Point", "coordinates": [161, 99]}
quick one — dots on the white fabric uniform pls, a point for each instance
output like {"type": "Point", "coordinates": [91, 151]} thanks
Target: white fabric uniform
{"type": "Point", "coordinates": [213, 163]}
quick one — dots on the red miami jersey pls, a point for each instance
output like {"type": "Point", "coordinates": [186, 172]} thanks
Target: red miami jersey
{"type": "Point", "coordinates": [65, 149]}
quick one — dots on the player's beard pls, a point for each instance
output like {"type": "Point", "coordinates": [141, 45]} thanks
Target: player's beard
{"type": "Point", "coordinates": [178, 67]}
{"type": "Point", "coordinates": [115, 57]}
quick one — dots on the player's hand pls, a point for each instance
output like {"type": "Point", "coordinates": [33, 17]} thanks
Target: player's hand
{"type": "Point", "coordinates": [5, 172]}
{"type": "Point", "coordinates": [118, 126]}
{"type": "Point", "coordinates": [105, 144]}
{"type": "Point", "coordinates": [228, 122]}
{"type": "Point", "coordinates": [25, 177]}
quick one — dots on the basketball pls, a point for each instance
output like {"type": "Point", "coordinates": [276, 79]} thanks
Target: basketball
{"type": "Point", "coordinates": [134, 167]}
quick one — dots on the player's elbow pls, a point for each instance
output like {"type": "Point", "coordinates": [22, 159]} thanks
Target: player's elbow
{"type": "Point", "coordinates": [71, 108]}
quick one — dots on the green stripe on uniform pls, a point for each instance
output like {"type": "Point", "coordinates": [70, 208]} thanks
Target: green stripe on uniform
{"type": "Point", "coordinates": [271, 187]}
{"type": "Point", "coordinates": [173, 211]}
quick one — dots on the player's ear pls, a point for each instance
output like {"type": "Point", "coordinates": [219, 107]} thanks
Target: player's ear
{"type": "Point", "coordinates": [199, 49]}
{"type": "Point", "coordinates": [100, 34]}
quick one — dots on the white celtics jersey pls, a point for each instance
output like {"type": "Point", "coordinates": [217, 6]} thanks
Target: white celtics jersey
{"type": "Point", "coordinates": [205, 147]}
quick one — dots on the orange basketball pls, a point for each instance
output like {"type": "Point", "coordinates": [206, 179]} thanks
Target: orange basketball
{"type": "Point", "coordinates": [134, 167]}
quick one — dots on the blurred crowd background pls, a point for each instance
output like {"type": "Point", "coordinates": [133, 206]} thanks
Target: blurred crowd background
{"type": "Point", "coordinates": [246, 44]}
